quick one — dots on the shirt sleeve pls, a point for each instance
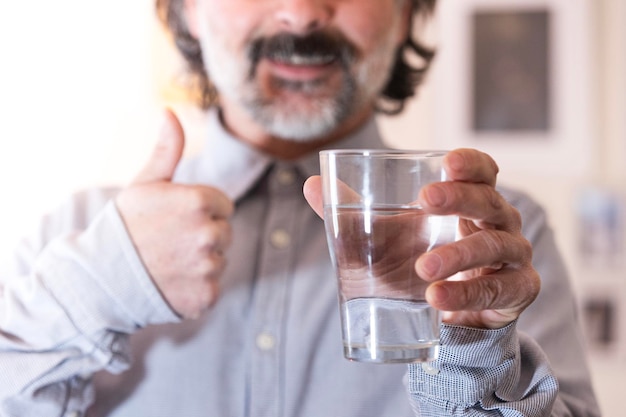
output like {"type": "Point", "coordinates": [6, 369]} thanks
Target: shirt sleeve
{"type": "Point", "coordinates": [66, 311]}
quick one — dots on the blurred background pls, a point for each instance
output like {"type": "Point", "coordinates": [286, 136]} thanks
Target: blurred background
{"type": "Point", "coordinates": [538, 84]}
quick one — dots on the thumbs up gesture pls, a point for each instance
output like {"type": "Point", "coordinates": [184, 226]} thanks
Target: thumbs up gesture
{"type": "Point", "coordinates": [180, 231]}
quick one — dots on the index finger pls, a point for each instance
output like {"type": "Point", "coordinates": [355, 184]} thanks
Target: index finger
{"type": "Point", "coordinates": [471, 165]}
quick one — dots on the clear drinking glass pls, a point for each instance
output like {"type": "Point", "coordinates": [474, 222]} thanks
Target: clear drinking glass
{"type": "Point", "coordinates": [376, 231]}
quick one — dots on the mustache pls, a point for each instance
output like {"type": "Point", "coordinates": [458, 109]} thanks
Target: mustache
{"type": "Point", "coordinates": [316, 48]}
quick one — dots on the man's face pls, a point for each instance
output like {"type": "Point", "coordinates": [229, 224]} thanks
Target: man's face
{"type": "Point", "coordinates": [300, 68]}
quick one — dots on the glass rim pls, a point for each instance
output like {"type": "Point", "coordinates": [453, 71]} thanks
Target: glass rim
{"type": "Point", "coordinates": [384, 152]}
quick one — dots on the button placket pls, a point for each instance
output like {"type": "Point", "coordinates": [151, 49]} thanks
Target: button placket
{"type": "Point", "coordinates": [276, 258]}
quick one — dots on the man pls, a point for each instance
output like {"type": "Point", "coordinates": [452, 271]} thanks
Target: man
{"type": "Point", "coordinates": [204, 288]}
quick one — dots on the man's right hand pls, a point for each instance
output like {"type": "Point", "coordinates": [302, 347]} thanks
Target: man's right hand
{"type": "Point", "coordinates": [180, 231]}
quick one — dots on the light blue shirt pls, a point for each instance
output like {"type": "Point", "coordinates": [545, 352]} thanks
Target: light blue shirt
{"type": "Point", "coordinates": [76, 302]}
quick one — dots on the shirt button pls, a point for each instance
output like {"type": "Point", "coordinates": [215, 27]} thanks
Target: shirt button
{"type": "Point", "coordinates": [74, 414]}
{"type": "Point", "coordinates": [285, 177]}
{"type": "Point", "coordinates": [429, 369]}
{"type": "Point", "coordinates": [265, 341]}
{"type": "Point", "coordinates": [280, 239]}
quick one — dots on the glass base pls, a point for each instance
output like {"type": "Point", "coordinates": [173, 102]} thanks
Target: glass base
{"type": "Point", "coordinates": [427, 353]}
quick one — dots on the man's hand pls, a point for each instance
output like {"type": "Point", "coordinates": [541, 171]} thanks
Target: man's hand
{"type": "Point", "coordinates": [180, 231]}
{"type": "Point", "coordinates": [494, 280]}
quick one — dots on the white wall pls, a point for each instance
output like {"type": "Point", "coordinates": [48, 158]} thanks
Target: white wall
{"type": "Point", "coordinates": [78, 107]}
{"type": "Point", "coordinates": [75, 93]}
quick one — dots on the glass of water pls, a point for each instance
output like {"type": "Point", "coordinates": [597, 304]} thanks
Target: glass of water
{"type": "Point", "coordinates": [376, 231]}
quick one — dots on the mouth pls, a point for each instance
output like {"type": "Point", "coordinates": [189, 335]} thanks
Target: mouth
{"type": "Point", "coordinates": [302, 67]}
{"type": "Point", "coordinates": [309, 58]}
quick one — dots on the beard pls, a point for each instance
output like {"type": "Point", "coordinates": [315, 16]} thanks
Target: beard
{"type": "Point", "coordinates": [292, 109]}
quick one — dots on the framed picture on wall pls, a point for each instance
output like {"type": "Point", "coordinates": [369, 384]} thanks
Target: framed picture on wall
{"type": "Point", "coordinates": [510, 71]}
{"type": "Point", "coordinates": [513, 79]}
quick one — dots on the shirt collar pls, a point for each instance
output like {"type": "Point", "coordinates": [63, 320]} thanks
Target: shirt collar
{"type": "Point", "coordinates": [366, 137]}
{"type": "Point", "coordinates": [234, 167]}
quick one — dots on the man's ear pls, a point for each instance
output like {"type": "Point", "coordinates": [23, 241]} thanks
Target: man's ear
{"type": "Point", "coordinates": [190, 13]}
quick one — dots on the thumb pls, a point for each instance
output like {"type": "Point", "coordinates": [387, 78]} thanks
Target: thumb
{"type": "Point", "coordinates": [167, 152]}
{"type": "Point", "coordinates": [312, 191]}
{"type": "Point", "coordinates": [313, 194]}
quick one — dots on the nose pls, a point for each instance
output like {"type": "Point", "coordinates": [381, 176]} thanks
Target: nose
{"type": "Point", "coordinates": [303, 16]}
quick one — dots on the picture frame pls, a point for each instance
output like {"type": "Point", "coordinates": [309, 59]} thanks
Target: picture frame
{"type": "Point", "coordinates": [551, 131]}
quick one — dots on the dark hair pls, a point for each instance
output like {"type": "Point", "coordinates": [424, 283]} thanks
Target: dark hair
{"type": "Point", "coordinates": [404, 79]}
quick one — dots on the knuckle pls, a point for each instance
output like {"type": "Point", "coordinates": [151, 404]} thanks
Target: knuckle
{"type": "Point", "coordinates": [493, 197]}
{"type": "Point", "coordinates": [229, 207]}
{"type": "Point", "coordinates": [225, 233]}
{"type": "Point", "coordinates": [207, 236]}
{"type": "Point", "coordinates": [488, 165]}
{"type": "Point", "coordinates": [515, 219]}
{"type": "Point", "coordinates": [484, 293]}
{"type": "Point", "coordinates": [226, 241]}
{"type": "Point", "coordinates": [468, 295]}
{"type": "Point", "coordinates": [462, 253]}
{"type": "Point", "coordinates": [214, 236]}
{"type": "Point", "coordinates": [493, 164]}
{"type": "Point", "coordinates": [492, 290]}
{"type": "Point", "coordinates": [494, 242]}
{"type": "Point", "coordinates": [526, 250]}
{"type": "Point", "coordinates": [534, 286]}
{"type": "Point", "coordinates": [194, 198]}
